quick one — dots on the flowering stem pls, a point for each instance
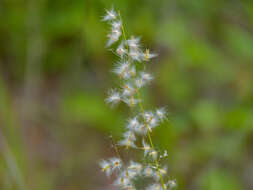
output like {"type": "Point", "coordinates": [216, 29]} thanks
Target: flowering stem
{"type": "Point", "coordinates": [142, 110]}
{"type": "Point", "coordinates": [150, 141]}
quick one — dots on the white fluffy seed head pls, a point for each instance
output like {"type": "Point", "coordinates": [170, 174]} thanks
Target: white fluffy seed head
{"type": "Point", "coordinates": [134, 43]}
{"type": "Point", "coordinates": [106, 167]}
{"type": "Point", "coordinates": [128, 90]}
{"type": "Point", "coordinates": [141, 129]}
{"type": "Point", "coordinates": [129, 140]}
{"type": "Point", "coordinates": [116, 163]}
{"type": "Point", "coordinates": [110, 15]}
{"type": "Point", "coordinates": [151, 119]}
{"type": "Point", "coordinates": [143, 79]}
{"type": "Point", "coordinates": [153, 154]}
{"type": "Point", "coordinates": [135, 166]}
{"type": "Point", "coordinates": [172, 184]}
{"type": "Point", "coordinates": [146, 77]}
{"type": "Point", "coordinates": [146, 56]}
{"type": "Point", "coordinates": [133, 124]}
{"type": "Point", "coordinates": [113, 37]}
{"type": "Point", "coordinates": [113, 98]}
{"type": "Point", "coordinates": [122, 69]}
{"type": "Point", "coordinates": [122, 181]}
{"type": "Point", "coordinates": [135, 54]}
{"type": "Point", "coordinates": [116, 25]}
{"type": "Point", "coordinates": [131, 50]}
{"type": "Point", "coordinates": [161, 114]}
{"type": "Point", "coordinates": [121, 51]}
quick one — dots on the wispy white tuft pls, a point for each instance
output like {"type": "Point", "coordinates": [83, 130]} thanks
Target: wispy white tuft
{"type": "Point", "coordinates": [122, 69]}
{"type": "Point", "coordinates": [106, 167]}
{"type": "Point", "coordinates": [121, 50]}
{"type": "Point", "coordinates": [110, 15]}
{"type": "Point", "coordinates": [115, 163]}
{"type": "Point", "coordinates": [161, 114]}
{"type": "Point", "coordinates": [128, 90]}
{"type": "Point", "coordinates": [172, 184]}
{"type": "Point", "coordinates": [114, 97]}
{"type": "Point", "coordinates": [129, 140]}
{"type": "Point", "coordinates": [113, 37]}
{"type": "Point", "coordinates": [146, 56]}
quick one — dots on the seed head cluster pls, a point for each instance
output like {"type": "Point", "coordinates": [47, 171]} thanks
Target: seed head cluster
{"type": "Point", "coordinates": [130, 57]}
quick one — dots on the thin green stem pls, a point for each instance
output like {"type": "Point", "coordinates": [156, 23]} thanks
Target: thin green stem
{"type": "Point", "coordinates": [150, 141]}
{"type": "Point", "coordinates": [123, 30]}
{"type": "Point", "coordinates": [142, 109]}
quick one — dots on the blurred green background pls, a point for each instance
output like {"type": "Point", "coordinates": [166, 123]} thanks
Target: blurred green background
{"type": "Point", "coordinates": [55, 71]}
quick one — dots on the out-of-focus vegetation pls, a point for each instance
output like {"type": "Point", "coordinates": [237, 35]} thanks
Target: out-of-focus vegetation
{"type": "Point", "coordinates": [54, 73]}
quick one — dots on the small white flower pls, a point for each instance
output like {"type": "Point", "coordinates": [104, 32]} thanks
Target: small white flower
{"type": "Point", "coordinates": [129, 139]}
{"type": "Point", "coordinates": [116, 25]}
{"type": "Point", "coordinates": [106, 167]}
{"type": "Point", "coordinates": [151, 119]}
{"type": "Point", "coordinates": [122, 69]}
{"type": "Point", "coordinates": [113, 37]}
{"type": "Point", "coordinates": [134, 49]}
{"type": "Point", "coordinates": [153, 154]}
{"type": "Point", "coordinates": [143, 79]}
{"type": "Point", "coordinates": [128, 90]}
{"type": "Point", "coordinates": [134, 43]}
{"type": "Point", "coordinates": [115, 163]}
{"type": "Point", "coordinates": [121, 51]}
{"type": "Point", "coordinates": [122, 181]}
{"type": "Point", "coordinates": [147, 55]}
{"type": "Point", "coordinates": [161, 113]}
{"type": "Point", "coordinates": [146, 76]}
{"type": "Point", "coordinates": [141, 129]}
{"type": "Point", "coordinates": [133, 124]}
{"type": "Point", "coordinates": [114, 97]}
{"type": "Point", "coordinates": [135, 54]}
{"type": "Point", "coordinates": [134, 166]}
{"type": "Point", "coordinates": [110, 15]}
{"type": "Point", "coordinates": [172, 184]}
